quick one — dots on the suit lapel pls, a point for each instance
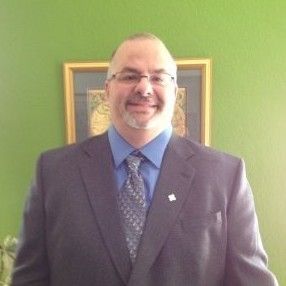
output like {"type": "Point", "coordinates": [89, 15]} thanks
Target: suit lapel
{"type": "Point", "coordinates": [174, 185]}
{"type": "Point", "coordinates": [96, 170]}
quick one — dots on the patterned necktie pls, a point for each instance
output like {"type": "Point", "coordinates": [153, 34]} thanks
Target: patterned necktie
{"type": "Point", "coordinates": [132, 205]}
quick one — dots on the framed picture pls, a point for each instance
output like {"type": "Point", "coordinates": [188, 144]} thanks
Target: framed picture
{"type": "Point", "coordinates": [87, 113]}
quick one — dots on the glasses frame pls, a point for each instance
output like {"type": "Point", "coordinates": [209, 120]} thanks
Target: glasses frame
{"type": "Point", "coordinates": [98, 69]}
{"type": "Point", "coordinates": [140, 76]}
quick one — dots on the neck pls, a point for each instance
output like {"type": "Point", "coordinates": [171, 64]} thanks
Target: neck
{"type": "Point", "coordinates": [138, 137]}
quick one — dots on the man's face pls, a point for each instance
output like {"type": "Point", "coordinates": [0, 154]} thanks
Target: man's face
{"type": "Point", "coordinates": [142, 104]}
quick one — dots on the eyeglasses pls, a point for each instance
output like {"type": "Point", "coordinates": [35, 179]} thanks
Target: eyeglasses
{"type": "Point", "coordinates": [159, 79]}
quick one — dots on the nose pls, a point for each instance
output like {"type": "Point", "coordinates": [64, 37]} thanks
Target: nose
{"type": "Point", "coordinates": [144, 87]}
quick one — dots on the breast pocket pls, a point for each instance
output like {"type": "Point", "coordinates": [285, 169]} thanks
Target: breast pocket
{"type": "Point", "coordinates": [200, 241]}
{"type": "Point", "coordinates": [207, 220]}
{"type": "Point", "coordinates": [205, 234]}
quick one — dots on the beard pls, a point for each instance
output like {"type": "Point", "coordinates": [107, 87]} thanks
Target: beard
{"type": "Point", "coordinates": [138, 124]}
{"type": "Point", "coordinates": [161, 116]}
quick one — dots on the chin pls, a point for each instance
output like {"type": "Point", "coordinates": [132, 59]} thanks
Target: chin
{"type": "Point", "coordinates": [154, 123]}
{"type": "Point", "coordinates": [135, 123]}
{"type": "Point", "coordinates": [157, 121]}
{"type": "Point", "coordinates": [139, 125]}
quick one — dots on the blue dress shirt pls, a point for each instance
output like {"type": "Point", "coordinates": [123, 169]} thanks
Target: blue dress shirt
{"type": "Point", "coordinates": [150, 169]}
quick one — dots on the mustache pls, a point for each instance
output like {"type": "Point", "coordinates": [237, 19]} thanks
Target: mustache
{"type": "Point", "coordinates": [138, 97]}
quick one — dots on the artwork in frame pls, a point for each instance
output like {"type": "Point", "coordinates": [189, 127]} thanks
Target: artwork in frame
{"type": "Point", "coordinates": [87, 113]}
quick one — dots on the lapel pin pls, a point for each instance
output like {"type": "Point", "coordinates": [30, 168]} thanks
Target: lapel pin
{"type": "Point", "coordinates": [172, 197]}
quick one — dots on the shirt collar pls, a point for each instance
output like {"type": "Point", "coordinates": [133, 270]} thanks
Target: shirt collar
{"type": "Point", "coordinates": [153, 151]}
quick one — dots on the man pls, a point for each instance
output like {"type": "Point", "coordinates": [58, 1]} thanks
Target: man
{"type": "Point", "coordinates": [186, 217]}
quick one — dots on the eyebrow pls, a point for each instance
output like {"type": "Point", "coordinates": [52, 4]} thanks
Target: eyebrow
{"type": "Point", "coordinates": [134, 70]}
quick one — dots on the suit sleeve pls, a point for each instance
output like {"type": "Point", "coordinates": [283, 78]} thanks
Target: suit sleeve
{"type": "Point", "coordinates": [246, 259]}
{"type": "Point", "coordinates": [31, 264]}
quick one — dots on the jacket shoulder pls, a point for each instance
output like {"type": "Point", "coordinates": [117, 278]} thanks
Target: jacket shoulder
{"type": "Point", "coordinates": [202, 153]}
{"type": "Point", "coordinates": [72, 151]}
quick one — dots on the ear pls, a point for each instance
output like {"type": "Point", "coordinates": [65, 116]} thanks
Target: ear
{"type": "Point", "coordinates": [106, 88]}
{"type": "Point", "coordinates": [176, 90]}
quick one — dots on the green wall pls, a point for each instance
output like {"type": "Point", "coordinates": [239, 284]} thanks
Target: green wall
{"type": "Point", "coordinates": [245, 39]}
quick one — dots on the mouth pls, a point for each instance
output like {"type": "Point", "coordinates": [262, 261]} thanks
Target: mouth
{"type": "Point", "coordinates": [141, 106]}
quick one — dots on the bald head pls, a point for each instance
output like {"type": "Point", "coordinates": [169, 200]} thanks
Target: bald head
{"type": "Point", "coordinates": [142, 42]}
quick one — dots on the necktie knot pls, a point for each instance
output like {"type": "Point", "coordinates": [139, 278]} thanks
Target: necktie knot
{"type": "Point", "coordinates": [133, 162]}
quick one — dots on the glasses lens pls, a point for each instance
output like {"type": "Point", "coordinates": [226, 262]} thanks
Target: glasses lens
{"type": "Point", "coordinates": [127, 77]}
{"type": "Point", "coordinates": [160, 79]}
{"type": "Point", "coordinates": [132, 78]}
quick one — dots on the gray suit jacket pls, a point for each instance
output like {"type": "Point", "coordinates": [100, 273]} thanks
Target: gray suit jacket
{"type": "Point", "coordinates": [208, 236]}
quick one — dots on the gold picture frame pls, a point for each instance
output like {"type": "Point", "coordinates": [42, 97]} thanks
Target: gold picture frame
{"type": "Point", "coordinates": [86, 113]}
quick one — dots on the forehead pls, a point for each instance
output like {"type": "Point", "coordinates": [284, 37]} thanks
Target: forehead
{"type": "Point", "coordinates": [143, 55]}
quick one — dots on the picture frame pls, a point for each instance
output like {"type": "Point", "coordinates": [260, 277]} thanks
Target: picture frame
{"type": "Point", "coordinates": [87, 114]}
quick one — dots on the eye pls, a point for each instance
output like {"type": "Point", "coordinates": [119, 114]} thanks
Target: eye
{"type": "Point", "coordinates": [157, 78]}
{"type": "Point", "coordinates": [129, 77]}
